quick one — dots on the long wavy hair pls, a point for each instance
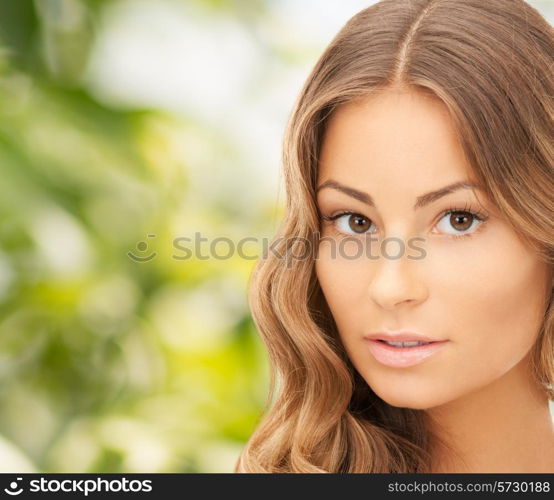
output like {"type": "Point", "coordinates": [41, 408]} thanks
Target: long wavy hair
{"type": "Point", "coordinates": [492, 63]}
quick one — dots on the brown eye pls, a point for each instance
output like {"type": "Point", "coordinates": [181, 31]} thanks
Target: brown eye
{"type": "Point", "coordinates": [461, 221]}
{"type": "Point", "coordinates": [358, 223]}
{"type": "Point", "coordinates": [350, 223]}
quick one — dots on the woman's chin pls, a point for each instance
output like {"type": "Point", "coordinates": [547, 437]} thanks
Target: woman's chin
{"type": "Point", "coordinates": [410, 399]}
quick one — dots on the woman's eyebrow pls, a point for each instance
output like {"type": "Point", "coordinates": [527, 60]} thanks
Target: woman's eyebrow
{"type": "Point", "coordinates": [421, 201]}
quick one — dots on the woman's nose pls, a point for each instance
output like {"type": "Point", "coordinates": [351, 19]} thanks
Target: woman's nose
{"type": "Point", "coordinates": [395, 282]}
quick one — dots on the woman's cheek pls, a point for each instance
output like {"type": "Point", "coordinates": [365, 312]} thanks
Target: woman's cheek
{"type": "Point", "coordinates": [341, 278]}
{"type": "Point", "coordinates": [493, 289]}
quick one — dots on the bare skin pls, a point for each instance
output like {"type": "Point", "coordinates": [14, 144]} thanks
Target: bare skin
{"type": "Point", "coordinates": [484, 292]}
{"type": "Point", "coordinates": [492, 434]}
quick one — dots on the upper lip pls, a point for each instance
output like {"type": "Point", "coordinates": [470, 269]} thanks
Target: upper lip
{"type": "Point", "coordinates": [400, 336]}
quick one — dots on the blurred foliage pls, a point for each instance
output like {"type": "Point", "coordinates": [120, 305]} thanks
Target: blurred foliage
{"type": "Point", "coordinates": [108, 364]}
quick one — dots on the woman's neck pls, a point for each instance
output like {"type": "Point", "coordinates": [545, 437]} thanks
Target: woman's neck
{"type": "Point", "coordinates": [504, 427]}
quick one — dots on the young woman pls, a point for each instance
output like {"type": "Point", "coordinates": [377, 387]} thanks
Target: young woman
{"type": "Point", "coordinates": [419, 163]}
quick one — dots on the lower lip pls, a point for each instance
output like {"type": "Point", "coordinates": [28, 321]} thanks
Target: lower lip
{"type": "Point", "coordinates": [399, 357]}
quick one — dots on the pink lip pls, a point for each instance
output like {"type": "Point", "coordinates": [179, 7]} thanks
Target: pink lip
{"type": "Point", "coordinates": [399, 357]}
{"type": "Point", "coordinates": [400, 336]}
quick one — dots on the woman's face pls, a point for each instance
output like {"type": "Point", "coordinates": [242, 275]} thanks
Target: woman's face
{"type": "Point", "coordinates": [464, 278]}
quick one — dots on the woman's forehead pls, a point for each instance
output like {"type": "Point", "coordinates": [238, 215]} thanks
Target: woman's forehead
{"type": "Point", "coordinates": [401, 138]}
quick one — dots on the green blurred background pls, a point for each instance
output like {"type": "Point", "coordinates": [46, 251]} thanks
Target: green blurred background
{"type": "Point", "coordinates": [125, 124]}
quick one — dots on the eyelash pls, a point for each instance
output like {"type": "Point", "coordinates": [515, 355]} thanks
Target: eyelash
{"type": "Point", "coordinates": [482, 218]}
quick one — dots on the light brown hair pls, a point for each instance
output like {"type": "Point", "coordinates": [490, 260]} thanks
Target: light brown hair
{"type": "Point", "coordinates": [492, 63]}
